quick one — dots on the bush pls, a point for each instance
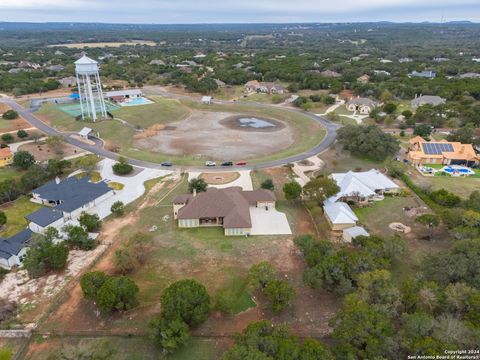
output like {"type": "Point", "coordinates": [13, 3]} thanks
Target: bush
{"type": "Point", "coordinates": [261, 274]}
{"type": "Point", "coordinates": [292, 190]}
{"type": "Point", "coordinates": [22, 134]}
{"type": "Point", "coordinates": [407, 114]}
{"type": "Point", "coordinates": [445, 198]}
{"type": "Point", "coordinates": [7, 138]}
{"type": "Point", "coordinates": [122, 167]}
{"type": "Point", "coordinates": [117, 293]}
{"type": "Point", "coordinates": [23, 160]}
{"type": "Point", "coordinates": [280, 294]}
{"type": "Point", "coordinates": [77, 237]}
{"type": "Point", "coordinates": [3, 218]}
{"type": "Point", "coordinates": [118, 208]}
{"type": "Point", "coordinates": [10, 115]}
{"type": "Point", "coordinates": [187, 300]}
{"type": "Point", "coordinates": [197, 184]}
{"type": "Point", "coordinates": [124, 260]}
{"type": "Point", "coordinates": [268, 184]}
{"type": "Point", "coordinates": [389, 108]}
{"type": "Point", "coordinates": [44, 256]}
{"type": "Point", "coordinates": [91, 222]}
{"type": "Point", "coordinates": [91, 282]}
{"type": "Point", "coordinates": [168, 335]}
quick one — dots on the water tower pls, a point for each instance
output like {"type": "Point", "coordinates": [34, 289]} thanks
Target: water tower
{"type": "Point", "coordinates": [90, 88]}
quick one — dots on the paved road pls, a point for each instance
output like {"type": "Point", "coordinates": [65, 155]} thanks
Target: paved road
{"type": "Point", "coordinates": [331, 133]}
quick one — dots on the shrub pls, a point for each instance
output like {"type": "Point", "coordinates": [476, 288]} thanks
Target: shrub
{"type": "Point", "coordinates": [168, 335]}
{"type": "Point", "coordinates": [118, 208]}
{"type": "Point", "coordinates": [117, 293]}
{"type": "Point", "coordinates": [280, 294]}
{"type": "Point", "coordinates": [23, 160]}
{"type": "Point", "coordinates": [8, 138]}
{"type": "Point", "coordinates": [44, 256]}
{"type": "Point", "coordinates": [124, 260]}
{"type": "Point", "coordinates": [22, 134]}
{"type": "Point", "coordinates": [122, 167]}
{"type": "Point", "coordinates": [3, 218]}
{"type": "Point", "coordinates": [91, 222]}
{"type": "Point", "coordinates": [91, 282]}
{"type": "Point", "coordinates": [77, 237]}
{"type": "Point", "coordinates": [261, 274]}
{"type": "Point", "coordinates": [197, 184]}
{"type": "Point", "coordinates": [10, 115]}
{"type": "Point", "coordinates": [292, 190]}
{"type": "Point", "coordinates": [268, 184]}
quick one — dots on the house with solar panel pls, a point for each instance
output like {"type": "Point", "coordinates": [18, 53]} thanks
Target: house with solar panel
{"type": "Point", "coordinates": [422, 152]}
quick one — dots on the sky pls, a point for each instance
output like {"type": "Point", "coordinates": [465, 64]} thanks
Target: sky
{"type": "Point", "coordinates": [237, 11]}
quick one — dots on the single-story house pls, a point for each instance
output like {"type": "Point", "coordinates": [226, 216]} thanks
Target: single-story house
{"type": "Point", "coordinates": [6, 156]}
{"type": "Point", "coordinates": [56, 68]}
{"type": "Point", "coordinates": [157, 62]}
{"type": "Point", "coordinates": [381, 73]}
{"type": "Point", "coordinates": [362, 186]}
{"type": "Point", "coordinates": [330, 74]}
{"type": "Point", "coordinates": [470, 75]}
{"type": "Point", "coordinates": [421, 152]}
{"type": "Point", "coordinates": [362, 105]}
{"type": "Point", "coordinates": [404, 60]}
{"type": "Point", "coordinates": [68, 81]}
{"type": "Point", "coordinates": [339, 216]}
{"type": "Point", "coordinates": [67, 198]}
{"type": "Point", "coordinates": [122, 95]}
{"type": "Point", "coordinates": [13, 249]}
{"type": "Point", "coordinates": [351, 233]}
{"type": "Point", "coordinates": [363, 79]}
{"type": "Point", "coordinates": [427, 100]}
{"type": "Point", "coordinates": [429, 74]}
{"type": "Point", "coordinates": [228, 208]}
{"type": "Point", "coordinates": [261, 87]}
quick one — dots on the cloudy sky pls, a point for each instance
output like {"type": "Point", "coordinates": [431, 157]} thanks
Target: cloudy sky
{"type": "Point", "coordinates": [237, 11]}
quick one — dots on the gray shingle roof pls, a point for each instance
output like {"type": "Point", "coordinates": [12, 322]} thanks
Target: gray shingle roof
{"type": "Point", "coordinates": [44, 216]}
{"type": "Point", "coordinates": [14, 244]}
{"type": "Point", "coordinates": [72, 193]}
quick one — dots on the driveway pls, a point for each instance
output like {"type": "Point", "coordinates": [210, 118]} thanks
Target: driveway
{"type": "Point", "coordinates": [269, 222]}
{"type": "Point", "coordinates": [244, 181]}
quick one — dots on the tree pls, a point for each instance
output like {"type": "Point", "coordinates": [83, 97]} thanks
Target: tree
{"type": "Point", "coordinates": [389, 108]}
{"type": "Point", "coordinates": [91, 222]}
{"type": "Point", "coordinates": [292, 190]}
{"type": "Point", "coordinates": [124, 260]}
{"type": "Point", "coordinates": [445, 198]}
{"type": "Point", "coordinates": [422, 130]}
{"type": "Point", "coordinates": [91, 282]}
{"type": "Point", "coordinates": [319, 189]}
{"type": "Point", "coordinates": [261, 274]}
{"type": "Point", "coordinates": [122, 167]}
{"type": "Point", "coordinates": [10, 115]}
{"type": "Point", "coordinates": [87, 163]}
{"type": "Point", "coordinates": [117, 208]}
{"type": "Point", "coordinates": [3, 219]}
{"type": "Point", "coordinates": [34, 177]}
{"type": "Point", "coordinates": [473, 201]}
{"type": "Point", "coordinates": [367, 141]}
{"type": "Point", "coordinates": [430, 221]}
{"type": "Point", "coordinates": [267, 184]}
{"type": "Point", "coordinates": [23, 160]}
{"type": "Point", "coordinates": [168, 335]}
{"type": "Point", "coordinates": [197, 184]}
{"type": "Point", "coordinates": [407, 114]}
{"type": "Point", "coordinates": [280, 294]}
{"type": "Point", "coordinates": [187, 300]}
{"type": "Point", "coordinates": [56, 167]}
{"type": "Point", "coordinates": [22, 134]}
{"type": "Point", "coordinates": [7, 138]}
{"type": "Point", "coordinates": [44, 256]}
{"type": "Point", "coordinates": [117, 293]}
{"type": "Point", "coordinates": [77, 237]}
{"type": "Point", "coordinates": [87, 349]}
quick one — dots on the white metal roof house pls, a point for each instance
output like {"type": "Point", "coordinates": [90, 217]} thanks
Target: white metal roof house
{"type": "Point", "coordinates": [427, 100]}
{"type": "Point", "coordinates": [353, 232]}
{"type": "Point", "coordinates": [362, 186]}
{"type": "Point", "coordinates": [339, 216]}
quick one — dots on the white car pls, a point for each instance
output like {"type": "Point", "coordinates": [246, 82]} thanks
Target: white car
{"type": "Point", "coordinates": [210, 163]}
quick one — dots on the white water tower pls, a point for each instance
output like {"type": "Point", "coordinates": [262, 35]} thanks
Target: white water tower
{"type": "Point", "coordinates": [90, 88]}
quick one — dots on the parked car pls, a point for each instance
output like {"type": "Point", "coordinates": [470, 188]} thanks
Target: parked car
{"type": "Point", "coordinates": [166, 163]}
{"type": "Point", "coordinates": [227, 163]}
{"type": "Point", "coordinates": [210, 163]}
{"type": "Point", "coordinates": [241, 163]}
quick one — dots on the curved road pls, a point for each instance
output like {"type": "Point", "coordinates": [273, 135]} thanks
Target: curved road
{"type": "Point", "coordinates": [330, 136]}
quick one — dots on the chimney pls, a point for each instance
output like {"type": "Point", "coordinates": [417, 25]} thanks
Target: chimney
{"type": "Point", "coordinates": [194, 192]}
{"type": "Point", "coordinates": [57, 180]}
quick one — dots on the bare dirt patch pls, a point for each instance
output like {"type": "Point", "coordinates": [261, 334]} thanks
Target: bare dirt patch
{"type": "Point", "coordinates": [204, 132]}
{"type": "Point", "coordinates": [149, 132]}
{"type": "Point", "coordinates": [13, 125]}
{"type": "Point", "coordinates": [43, 152]}
{"type": "Point", "coordinates": [219, 178]}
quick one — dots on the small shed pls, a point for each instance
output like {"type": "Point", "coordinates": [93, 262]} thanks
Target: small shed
{"type": "Point", "coordinates": [85, 132]}
{"type": "Point", "coordinates": [352, 232]}
{"type": "Point", "coordinates": [207, 99]}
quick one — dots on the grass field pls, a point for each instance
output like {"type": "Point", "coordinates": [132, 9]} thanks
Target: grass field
{"type": "Point", "coordinates": [16, 212]}
{"type": "Point", "coordinates": [119, 136]}
{"type": "Point", "coordinates": [9, 172]}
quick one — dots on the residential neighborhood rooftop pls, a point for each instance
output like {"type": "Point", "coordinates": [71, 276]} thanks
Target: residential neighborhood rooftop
{"type": "Point", "coordinates": [13, 245]}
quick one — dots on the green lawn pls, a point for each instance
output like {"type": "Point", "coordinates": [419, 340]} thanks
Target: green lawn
{"type": "Point", "coordinates": [9, 172]}
{"type": "Point", "coordinates": [16, 212]}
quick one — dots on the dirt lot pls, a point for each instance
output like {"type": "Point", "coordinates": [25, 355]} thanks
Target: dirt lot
{"type": "Point", "coordinates": [43, 152]}
{"type": "Point", "coordinates": [204, 133]}
{"type": "Point", "coordinates": [219, 178]}
{"type": "Point", "coordinates": [13, 125]}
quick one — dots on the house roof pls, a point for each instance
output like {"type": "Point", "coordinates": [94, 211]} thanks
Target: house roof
{"type": "Point", "coordinates": [45, 216]}
{"type": "Point", "coordinates": [427, 99]}
{"type": "Point", "coordinates": [126, 92]}
{"type": "Point", "coordinates": [364, 183]}
{"type": "Point", "coordinates": [232, 204]}
{"type": "Point", "coordinates": [362, 101]}
{"type": "Point", "coordinates": [72, 193]}
{"type": "Point", "coordinates": [443, 149]}
{"type": "Point", "coordinates": [355, 231]}
{"type": "Point", "coordinates": [5, 152]}
{"type": "Point", "coordinates": [340, 213]}
{"type": "Point", "coordinates": [13, 245]}
{"type": "Point", "coordinates": [85, 131]}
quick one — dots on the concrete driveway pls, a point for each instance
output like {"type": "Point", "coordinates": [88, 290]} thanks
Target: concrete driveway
{"type": "Point", "coordinates": [244, 181]}
{"type": "Point", "coordinates": [269, 222]}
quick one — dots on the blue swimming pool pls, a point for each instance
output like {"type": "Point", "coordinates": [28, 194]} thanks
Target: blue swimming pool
{"type": "Point", "coordinates": [457, 170]}
{"type": "Point", "coordinates": [137, 101]}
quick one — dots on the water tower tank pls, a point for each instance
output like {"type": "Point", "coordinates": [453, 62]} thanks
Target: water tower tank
{"type": "Point", "coordinates": [86, 66]}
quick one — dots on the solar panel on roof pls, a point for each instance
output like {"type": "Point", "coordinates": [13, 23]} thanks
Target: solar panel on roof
{"type": "Point", "coordinates": [436, 148]}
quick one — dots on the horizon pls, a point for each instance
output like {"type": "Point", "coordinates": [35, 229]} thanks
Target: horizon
{"type": "Point", "coordinates": [163, 12]}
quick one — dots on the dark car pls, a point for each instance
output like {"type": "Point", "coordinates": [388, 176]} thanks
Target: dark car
{"type": "Point", "coordinates": [241, 163]}
{"type": "Point", "coordinates": [166, 163]}
{"type": "Point", "coordinates": [227, 163]}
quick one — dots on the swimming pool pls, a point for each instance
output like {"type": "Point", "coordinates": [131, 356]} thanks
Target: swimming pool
{"type": "Point", "coordinates": [457, 170]}
{"type": "Point", "coordinates": [136, 101]}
